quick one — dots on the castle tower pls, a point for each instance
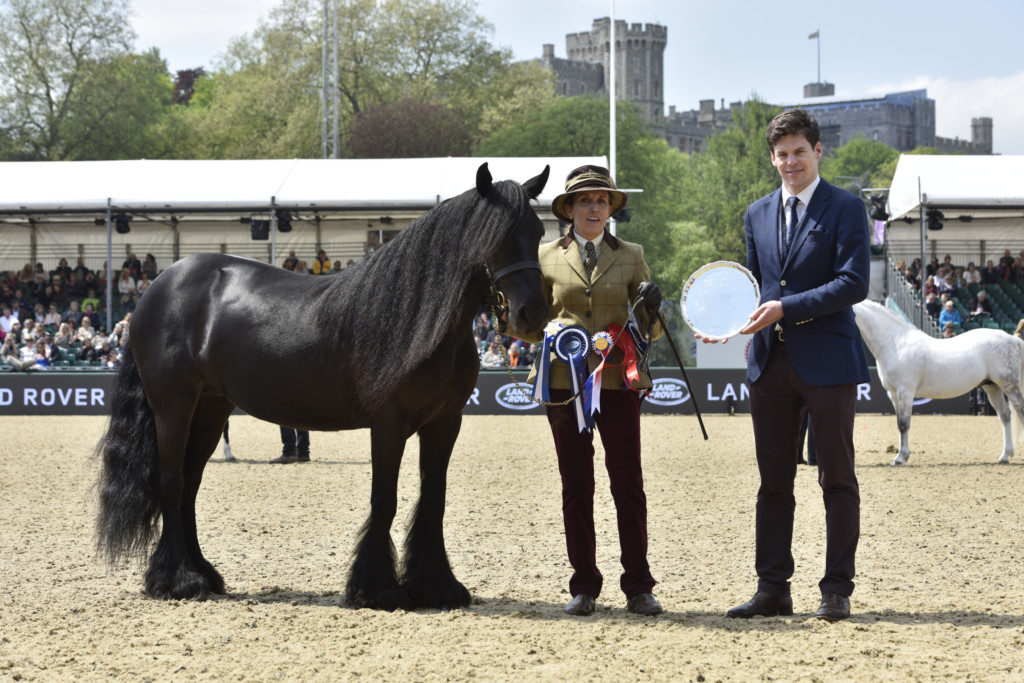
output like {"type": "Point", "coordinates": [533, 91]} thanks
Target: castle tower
{"type": "Point", "coordinates": [981, 134]}
{"type": "Point", "coordinates": [639, 61]}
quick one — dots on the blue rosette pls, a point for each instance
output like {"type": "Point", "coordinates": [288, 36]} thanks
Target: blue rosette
{"type": "Point", "coordinates": [572, 345]}
{"type": "Point", "coordinates": [541, 383]}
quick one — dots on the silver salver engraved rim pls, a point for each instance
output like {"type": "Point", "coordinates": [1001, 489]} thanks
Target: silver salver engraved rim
{"type": "Point", "coordinates": [704, 269]}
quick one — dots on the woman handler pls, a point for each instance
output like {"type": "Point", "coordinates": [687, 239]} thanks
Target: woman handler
{"type": "Point", "coordinates": [590, 277]}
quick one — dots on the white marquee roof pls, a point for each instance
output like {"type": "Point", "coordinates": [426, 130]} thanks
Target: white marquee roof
{"type": "Point", "coordinates": [957, 181]}
{"type": "Point", "coordinates": [164, 186]}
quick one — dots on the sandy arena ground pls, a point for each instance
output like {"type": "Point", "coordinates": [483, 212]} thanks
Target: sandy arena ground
{"type": "Point", "coordinates": [940, 590]}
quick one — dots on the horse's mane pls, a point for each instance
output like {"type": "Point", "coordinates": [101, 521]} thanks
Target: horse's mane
{"type": "Point", "coordinates": [896, 318]}
{"type": "Point", "coordinates": [398, 304]}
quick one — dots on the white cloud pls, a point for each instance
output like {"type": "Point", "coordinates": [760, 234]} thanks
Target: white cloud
{"type": "Point", "coordinates": [957, 101]}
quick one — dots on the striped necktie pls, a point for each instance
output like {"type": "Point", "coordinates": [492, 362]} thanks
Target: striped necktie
{"type": "Point", "coordinates": [789, 228]}
{"type": "Point", "coordinates": [591, 260]}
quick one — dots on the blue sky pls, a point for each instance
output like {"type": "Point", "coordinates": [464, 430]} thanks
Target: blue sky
{"type": "Point", "coordinates": [967, 54]}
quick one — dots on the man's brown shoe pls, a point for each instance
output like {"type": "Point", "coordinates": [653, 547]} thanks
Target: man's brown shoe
{"type": "Point", "coordinates": [763, 605]}
{"type": "Point", "coordinates": [580, 606]}
{"type": "Point", "coordinates": [285, 459]}
{"type": "Point", "coordinates": [644, 604]}
{"type": "Point", "coordinates": [834, 607]}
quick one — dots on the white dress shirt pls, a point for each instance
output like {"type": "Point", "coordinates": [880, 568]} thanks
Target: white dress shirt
{"type": "Point", "coordinates": [582, 244]}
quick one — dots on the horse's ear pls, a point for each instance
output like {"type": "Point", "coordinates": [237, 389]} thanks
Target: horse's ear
{"type": "Point", "coordinates": [483, 180]}
{"type": "Point", "coordinates": [534, 186]}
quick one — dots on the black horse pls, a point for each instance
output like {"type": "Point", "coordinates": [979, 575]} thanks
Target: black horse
{"type": "Point", "coordinates": [387, 344]}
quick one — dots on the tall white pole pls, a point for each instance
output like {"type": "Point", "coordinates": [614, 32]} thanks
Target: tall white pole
{"type": "Point", "coordinates": [611, 103]}
{"type": "Point", "coordinates": [324, 100]}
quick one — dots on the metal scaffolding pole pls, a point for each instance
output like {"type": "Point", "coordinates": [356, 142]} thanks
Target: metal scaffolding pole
{"type": "Point", "coordinates": [329, 97]}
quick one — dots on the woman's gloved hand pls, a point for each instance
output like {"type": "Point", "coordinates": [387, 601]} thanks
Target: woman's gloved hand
{"type": "Point", "coordinates": [650, 293]}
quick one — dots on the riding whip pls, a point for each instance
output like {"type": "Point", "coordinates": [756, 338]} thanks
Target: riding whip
{"type": "Point", "coordinates": [675, 352]}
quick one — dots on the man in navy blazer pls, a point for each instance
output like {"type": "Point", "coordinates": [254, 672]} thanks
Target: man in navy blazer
{"type": "Point", "coordinates": [807, 245]}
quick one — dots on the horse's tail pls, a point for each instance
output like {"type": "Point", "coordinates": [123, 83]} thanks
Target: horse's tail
{"type": "Point", "coordinates": [128, 500]}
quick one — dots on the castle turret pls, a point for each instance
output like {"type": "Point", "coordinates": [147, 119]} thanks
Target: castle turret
{"type": "Point", "coordinates": [981, 134]}
{"type": "Point", "coordinates": [639, 60]}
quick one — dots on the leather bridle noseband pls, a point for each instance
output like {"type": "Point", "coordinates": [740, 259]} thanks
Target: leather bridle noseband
{"type": "Point", "coordinates": [522, 265]}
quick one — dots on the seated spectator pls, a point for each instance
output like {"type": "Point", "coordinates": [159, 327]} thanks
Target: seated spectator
{"type": "Point", "coordinates": [1017, 269]}
{"type": "Point", "coordinates": [85, 331]}
{"type": "Point", "coordinates": [948, 331]}
{"type": "Point", "coordinates": [125, 285]}
{"type": "Point", "coordinates": [972, 275]}
{"type": "Point", "coordinates": [52, 317]}
{"type": "Point", "coordinates": [912, 279]}
{"type": "Point", "coordinates": [933, 266]}
{"type": "Point", "coordinates": [515, 354]}
{"type": "Point", "coordinates": [90, 300]}
{"type": "Point", "coordinates": [291, 262]}
{"type": "Point", "coordinates": [133, 265]}
{"type": "Point", "coordinates": [300, 267]}
{"type": "Point", "coordinates": [12, 355]}
{"type": "Point", "coordinates": [80, 270]}
{"type": "Point", "coordinates": [73, 314]}
{"type": "Point", "coordinates": [901, 266]}
{"type": "Point", "coordinates": [39, 313]}
{"type": "Point", "coordinates": [337, 267]}
{"type": "Point", "coordinates": [948, 314]}
{"type": "Point", "coordinates": [7, 320]}
{"type": "Point", "coordinates": [980, 305]}
{"type": "Point", "coordinates": [947, 262]}
{"type": "Point", "coordinates": [989, 274]}
{"type": "Point", "coordinates": [149, 267]}
{"type": "Point", "coordinates": [95, 284]}
{"type": "Point", "coordinates": [60, 298]}
{"type": "Point", "coordinates": [64, 338]}
{"type": "Point", "coordinates": [143, 284]}
{"type": "Point", "coordinates": [321, 264]}
{"type": "Point", "coordinates": [931, 302]}
{"type": "Point", "coordinates": [42, 353]}
{"type": "Point", "coordinates": [62, 271]}
{"type": "Point", "coordinates": [90, 312]}
{"type": "Point", "coordinates": [74, 286]}
{"type": "Point", "coordinates": [115, 337]}
{"type": "Point", "coordinates": [1007, 259]}
{"type": "Point", "coordinates": [930, 286]}
{"type": "Point", "coordinates": [29, 332]}
{"type": "Point", "coordinates": [493, 357]}
{"type": "Point", "coordinates": [26, 276]}
{"type": "Point", "coordinates": [944, 281]}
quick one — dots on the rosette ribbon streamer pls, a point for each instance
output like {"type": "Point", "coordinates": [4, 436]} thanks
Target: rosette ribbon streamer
{"type": "Point", "coordinates": [630, 359]}
{"type": "Point", "coordinates": [541, 383]}
{"type": "Point", "coordinates": [602, 343]}
{"type": "Point", "coordinates": [572, 346]}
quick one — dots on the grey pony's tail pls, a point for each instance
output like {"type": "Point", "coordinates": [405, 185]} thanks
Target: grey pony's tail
{"type": "Point", "coordinates": [128, 502]}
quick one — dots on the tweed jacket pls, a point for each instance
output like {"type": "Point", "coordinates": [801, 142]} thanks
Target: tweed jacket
{"type": "Point", "coordinates": [595, 303]}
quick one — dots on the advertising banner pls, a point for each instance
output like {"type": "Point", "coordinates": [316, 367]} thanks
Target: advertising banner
{"type": "Point", "coordinates": [717, 391]}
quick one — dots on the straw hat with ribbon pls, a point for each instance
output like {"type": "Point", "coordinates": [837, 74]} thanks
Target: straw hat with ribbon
{"type": "Point", "coordinates": [587, 179]}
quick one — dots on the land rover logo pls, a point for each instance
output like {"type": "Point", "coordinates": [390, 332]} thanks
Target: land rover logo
{"type": "Point", "coordinates": [668, 391]}
{"type": "Point", "coordinates": [514, 397]}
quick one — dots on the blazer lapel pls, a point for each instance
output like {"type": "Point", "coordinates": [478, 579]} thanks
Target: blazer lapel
{"type": "Point", "coordinates": [770, 221]}
{"type": "Point", "coordinates": [815, 208]}
{"type": "Point", "coordinates": [571, 254]}
{"type": "Point", "coordinates": [604, 261]}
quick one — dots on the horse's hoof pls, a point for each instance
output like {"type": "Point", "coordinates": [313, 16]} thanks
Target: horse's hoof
{"type": "Point", "coordinates": [388, 599]}
{"type": "Point", "coordinates": [444, 594]}
{"type": "Point", "coordinates": [1003, 461]}
{"type": "Point", "coordinates": [185, 584]}
{"type": "Point", "coordinates": [897, 462]}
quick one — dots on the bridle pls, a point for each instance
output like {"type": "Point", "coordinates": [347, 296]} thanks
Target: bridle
{"type": "Point", "coordinates": [499, 307]}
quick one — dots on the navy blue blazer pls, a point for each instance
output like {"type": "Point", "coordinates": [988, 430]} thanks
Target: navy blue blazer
{"type": "Point", "coordinates": [826, 272]}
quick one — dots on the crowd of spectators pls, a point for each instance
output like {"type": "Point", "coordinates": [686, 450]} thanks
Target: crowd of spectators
{"type": "Point", "coordinates": [943, 281]}
{"type": "Point", "coordinates": [493, 347]}
{"type": "Point", "coordinates": [322, 265]}
{"type": "Point", "coordinates": [57, 317]}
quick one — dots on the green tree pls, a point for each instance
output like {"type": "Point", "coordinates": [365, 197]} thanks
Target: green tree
{"type": "Point", "coordinates": [264, 95]}
{"type": "Point", "coordinates": [408, 128]}
{"type": "Point", "coordinates": [735, 170]}
{"type": "Point", "coordinates": [119, 109]}
{"type": "Point", "coordinates": [860, 158]}
{"type": "Point", "coordinates": [48, 49]}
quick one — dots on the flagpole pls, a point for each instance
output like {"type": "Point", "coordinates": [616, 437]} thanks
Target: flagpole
{"type": "Point", "coordinates": [818, 32]}
{"type": "Point", "coordinates": [611, 104]}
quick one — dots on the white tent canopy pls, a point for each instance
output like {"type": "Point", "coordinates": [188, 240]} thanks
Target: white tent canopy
{"type": "Point", "coordinates": [957, 182]}
{"type": "Point", "coordinates": [145, 186]}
